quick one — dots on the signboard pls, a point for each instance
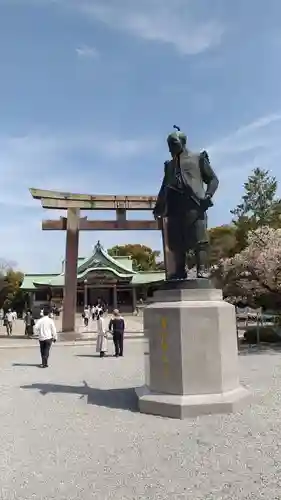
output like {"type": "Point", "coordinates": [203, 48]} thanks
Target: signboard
{"type": "Point", "coordinates": [103, 277]}
{"type": "Point", "coordinates": [95, 276]}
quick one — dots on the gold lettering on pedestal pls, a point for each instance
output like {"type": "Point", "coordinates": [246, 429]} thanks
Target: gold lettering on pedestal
{"type": "Point", "coordinates": [164, 346]}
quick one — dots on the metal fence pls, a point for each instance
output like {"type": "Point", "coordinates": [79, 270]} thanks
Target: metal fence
{"type": "Point", "coordinates": [247, 317]}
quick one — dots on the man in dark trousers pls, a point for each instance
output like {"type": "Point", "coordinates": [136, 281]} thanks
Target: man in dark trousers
{"type": "Point", "coordinates": [47, 334]}
{"type": "Point", "coordinates": [117, 327]}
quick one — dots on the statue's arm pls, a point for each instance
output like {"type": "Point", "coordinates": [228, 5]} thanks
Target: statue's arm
{"type": "Point", "coordinates": [208, 175]}
{"type": "Point", "coordinates": [160, 204]}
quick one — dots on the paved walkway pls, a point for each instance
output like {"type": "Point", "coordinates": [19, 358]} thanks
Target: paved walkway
{"type": "Point", "coordinates": [73, 432]}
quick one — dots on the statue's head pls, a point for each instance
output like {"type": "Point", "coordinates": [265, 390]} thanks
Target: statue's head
{"type": "Point", "coordinates": [176, 141]}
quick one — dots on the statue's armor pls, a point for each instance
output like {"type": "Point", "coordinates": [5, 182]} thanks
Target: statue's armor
{"type": "Point", "coordinates": [180, 200]}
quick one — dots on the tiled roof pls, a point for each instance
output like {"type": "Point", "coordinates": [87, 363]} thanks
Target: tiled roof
{"type": "Point", "coordinates": [100, 260]}
{"type": "Point", "coordinates": [29, 279]}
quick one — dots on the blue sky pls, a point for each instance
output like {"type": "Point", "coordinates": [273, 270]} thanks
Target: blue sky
{"type": "Point", "coordinates": [89, 90]}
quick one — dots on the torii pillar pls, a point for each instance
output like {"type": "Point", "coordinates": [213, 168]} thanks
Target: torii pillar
{"type": "Point", "coordinates": [71, 259]}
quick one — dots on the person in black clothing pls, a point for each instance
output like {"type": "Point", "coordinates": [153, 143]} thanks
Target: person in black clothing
{"type": "Point", "coordinates": [29, 323]}
{"type": "Point", "coordinates": [117, 327]}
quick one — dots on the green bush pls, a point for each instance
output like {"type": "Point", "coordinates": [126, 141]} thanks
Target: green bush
{"type": "Point", "coordinates": [269, 334]}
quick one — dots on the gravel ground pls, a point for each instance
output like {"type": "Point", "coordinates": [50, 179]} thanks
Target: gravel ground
{"type": "Point", "coordinates": [73, 432]}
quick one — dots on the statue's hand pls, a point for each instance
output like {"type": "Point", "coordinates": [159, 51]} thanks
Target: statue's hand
{"type": "Point", "coordinates": [156, 216]}
{"type": "Point", "coordinates": [206, 203]}
{"type": "Point", "coordinates": [157, 213]}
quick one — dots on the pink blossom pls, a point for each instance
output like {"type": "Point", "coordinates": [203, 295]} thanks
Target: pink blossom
{"type": "Point", "coordinates": [259, 262]}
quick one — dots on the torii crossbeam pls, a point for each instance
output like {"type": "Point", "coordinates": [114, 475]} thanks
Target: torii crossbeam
{"type": "Point", "coordinates": [73, 203]}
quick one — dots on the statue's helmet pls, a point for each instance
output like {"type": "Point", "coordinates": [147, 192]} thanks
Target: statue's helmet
{"type": "Point", "coordinates": [176, 141]}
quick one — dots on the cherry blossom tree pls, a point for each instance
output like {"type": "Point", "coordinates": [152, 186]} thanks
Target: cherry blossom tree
{"type": "Point", "coordinates": [256, 270]}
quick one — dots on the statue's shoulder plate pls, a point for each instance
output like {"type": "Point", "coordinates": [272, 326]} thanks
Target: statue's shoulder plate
{"type": "Point", "coordinates": [190, 159]}
{"type": "Point", "coordinates": [190, 154]}
{"type": "Point", "coordinates": [204, 156]}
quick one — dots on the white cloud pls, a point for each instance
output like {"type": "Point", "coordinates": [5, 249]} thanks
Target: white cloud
{"type": "Point", "coordinates": [26, 148]}
{"type": "Point", "coordinates": [43, 157]}
{"type": "Point", "coordinates": [260, 138]}
{"type": "Point", "coordinates": [262, 133]}
{"type": "Point", "coordinates": [178, 23]}
{"type": "Point", "coordinates": [86, 52]}
{"type": "Point", "coordinates": [174, 23]}
{"type": "Point", "coordinates": [44, 160]}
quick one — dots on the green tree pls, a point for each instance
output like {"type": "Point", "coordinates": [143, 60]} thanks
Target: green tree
{"type": "Point", "coordinates": [10, 281]}
{"type": "Point", "coordinates": [5, 266]}
{"type": "Point", "coordinates": [222, 242]}
{"type": "Point", "coordinates": [260, 206]}
{"type": "Point", "coordinates": [144, 258]}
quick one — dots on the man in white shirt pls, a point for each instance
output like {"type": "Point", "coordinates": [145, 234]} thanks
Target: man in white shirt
{"type": "Point", "coordinates": [86, 315]}
{"type": "Point", "coordinates": [9, 318]}
{"type": "Point", "coordinates": [45, 328]}
{"type": "Point", "coordinates": [93, 312]}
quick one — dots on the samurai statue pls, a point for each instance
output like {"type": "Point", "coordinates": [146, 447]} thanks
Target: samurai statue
{"type": "Point", "coordinates": [183, 202]}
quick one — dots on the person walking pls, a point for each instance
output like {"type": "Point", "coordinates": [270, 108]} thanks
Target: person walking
{"type": "Point", "coordinates": [86, 315]}
{"type": "Point", "coordinates": [29, 324]}
{"type": "Point", "coordinates": [99, 309]}
{"type": "Point", "coordinates": [93, 312]}
{"type": "Point", "coordinates": [101, 346]}
{"type": "Point", "coordinates": [8, 321]}
{"type": "Point", "coordinates": [45, 328]}
{"type": "Point", "coordinates": [117, 327]}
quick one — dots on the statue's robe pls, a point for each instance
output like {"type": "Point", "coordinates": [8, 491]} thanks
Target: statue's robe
{"type": "Point", "coordinates": [180, 200]}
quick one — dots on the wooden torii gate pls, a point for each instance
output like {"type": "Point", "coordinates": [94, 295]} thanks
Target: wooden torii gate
{"type": "Point", "coordinates": [73, 223]}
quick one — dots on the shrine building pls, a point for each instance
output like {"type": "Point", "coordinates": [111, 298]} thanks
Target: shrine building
{"type": "Point", "coordinates": [99, 276]}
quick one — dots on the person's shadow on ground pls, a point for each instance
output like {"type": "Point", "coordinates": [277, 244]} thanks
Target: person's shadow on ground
{"type": "Point", "coordinates": [35, 365]}
{"type": "Point", "coordinates": [123, 399]}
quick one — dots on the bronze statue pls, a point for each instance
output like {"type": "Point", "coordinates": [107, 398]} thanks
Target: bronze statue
{"type": "Point", "coordinates": [183, 202]}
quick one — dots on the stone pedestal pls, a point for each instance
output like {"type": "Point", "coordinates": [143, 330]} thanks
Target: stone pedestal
{"type": "Point", "coordinates": [191, 359]}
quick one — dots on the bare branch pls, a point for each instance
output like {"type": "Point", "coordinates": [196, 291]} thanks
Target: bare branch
{"type": "Point", "coordinates": [6, 265]}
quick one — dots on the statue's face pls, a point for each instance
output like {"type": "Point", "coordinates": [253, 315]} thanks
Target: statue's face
{"type": "Point", "coordinates": [176, 143]}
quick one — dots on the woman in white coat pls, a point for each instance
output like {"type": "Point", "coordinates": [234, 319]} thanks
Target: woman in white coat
{"type": "Point", "coordinates": [101, 346]}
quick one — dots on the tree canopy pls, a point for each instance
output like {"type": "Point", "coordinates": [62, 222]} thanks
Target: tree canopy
{"type": "Point", "coordinates": [10, 281]}
{"type": "Point", "coordinates": [144, 258]}
{"type": "Point", "coordinates": [260, 206]}
{"type": "Point", "coordinates": [222, 242]}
